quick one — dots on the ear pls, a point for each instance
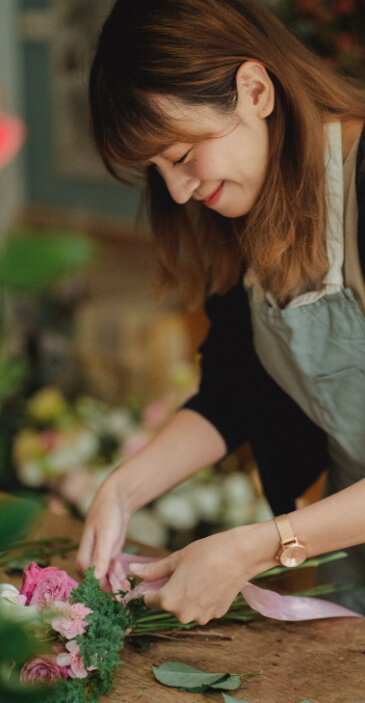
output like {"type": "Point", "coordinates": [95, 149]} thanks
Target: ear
{"type": "Point", "coordinates": [255, 89]}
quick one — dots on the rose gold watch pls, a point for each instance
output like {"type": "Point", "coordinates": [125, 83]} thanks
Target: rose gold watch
{"type": "Point", "coordinates": [292, 552]}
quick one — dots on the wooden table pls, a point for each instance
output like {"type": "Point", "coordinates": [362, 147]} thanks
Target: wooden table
{"type": "Point", "coordinates": [323, 660]}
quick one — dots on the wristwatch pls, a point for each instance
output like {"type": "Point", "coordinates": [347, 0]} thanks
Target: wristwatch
{"type": "Point", "coordinates": [292, 552]}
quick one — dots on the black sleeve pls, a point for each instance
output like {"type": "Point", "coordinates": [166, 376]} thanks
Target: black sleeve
{"type": "Point", "coordinates": [222, 395]}
{"type": "Point", "coordinates": [244, 403]}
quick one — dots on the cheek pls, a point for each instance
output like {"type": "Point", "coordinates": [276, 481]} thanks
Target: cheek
{"type": "Point", "coordinates": [207, 165]}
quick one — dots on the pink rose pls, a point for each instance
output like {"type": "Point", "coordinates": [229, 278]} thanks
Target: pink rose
{"type": "Point", "coordinates": [43, 669]}
{"type": "Point", "coordinates": [73, 661]}
{"type": "Point", "coordinates": [69, 619]}
{"type": "Point", "coordinates": [44, 586]}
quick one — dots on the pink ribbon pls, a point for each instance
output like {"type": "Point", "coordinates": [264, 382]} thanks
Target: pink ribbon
{"type": "Point", "coordinates": [264, 601]}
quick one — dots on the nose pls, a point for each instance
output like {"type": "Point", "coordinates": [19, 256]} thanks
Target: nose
{"type": "Point", "coordinates": [181, 186]}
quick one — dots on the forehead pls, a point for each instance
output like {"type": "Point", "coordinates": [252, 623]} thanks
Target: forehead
{"type": "Point", "coordinates": [196, 121]}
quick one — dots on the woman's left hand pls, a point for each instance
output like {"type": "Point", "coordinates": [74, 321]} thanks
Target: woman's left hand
{"type": "Point", "coordinates": [205, 577]}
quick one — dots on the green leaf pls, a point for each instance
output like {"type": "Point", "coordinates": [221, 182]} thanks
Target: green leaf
{"type": "Point", "coordinates": [229, 683]}
{"type": "Point", "coordinates": [31, 260]}
{"type": "Point", "coordinates": [229, 699]}
{"type": "Point", "coordinates": [16, 516]}
{"type": "Point", "coordinates": [178, 674]}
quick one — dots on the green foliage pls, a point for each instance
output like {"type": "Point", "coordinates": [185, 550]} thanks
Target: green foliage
{"type": "Point", "coordinates": [31, 260]}
{"type": "Point", "coordinates": [16, 642]}
{"type": "Point", "coordinates": [104, 636]}
{"type": "Point", "coordinates": [71, 691]}
{"type": "Point", "coordinates": [16, 515]}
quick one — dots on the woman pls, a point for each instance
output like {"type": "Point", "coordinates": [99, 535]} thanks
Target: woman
{"type": "Point", "coordinates": [253, 151]}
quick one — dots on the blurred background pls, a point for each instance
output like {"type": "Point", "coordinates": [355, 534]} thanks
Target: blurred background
{"type": "Point", "coordinates": [91, 365]}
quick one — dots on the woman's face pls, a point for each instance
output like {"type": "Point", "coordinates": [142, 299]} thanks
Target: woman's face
{"type": "Point", "coordinates": [226, 173]}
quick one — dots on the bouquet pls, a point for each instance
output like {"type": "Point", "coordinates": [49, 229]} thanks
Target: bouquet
{"type": "Point", "coordinates": [81, 629]}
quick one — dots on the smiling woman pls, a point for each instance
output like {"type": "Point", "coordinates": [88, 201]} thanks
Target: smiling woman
{"type": "Point", "coordinates": [254, 152]}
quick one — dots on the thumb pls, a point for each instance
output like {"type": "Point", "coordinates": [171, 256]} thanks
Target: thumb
{"type": "Point", "coordinates": [156, 570]}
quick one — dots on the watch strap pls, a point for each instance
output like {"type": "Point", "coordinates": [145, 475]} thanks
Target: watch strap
{"type": "Point", "coordinates": [285, 530]}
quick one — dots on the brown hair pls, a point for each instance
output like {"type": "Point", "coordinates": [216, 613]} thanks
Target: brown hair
{"type": "Point", "coordinates": [191, 50]}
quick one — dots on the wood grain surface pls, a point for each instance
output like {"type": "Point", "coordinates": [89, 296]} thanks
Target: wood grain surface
{"type": "Point", "coordinates": [322, 661]}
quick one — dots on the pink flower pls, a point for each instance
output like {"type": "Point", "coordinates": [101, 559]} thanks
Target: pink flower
{"type": "Point", "coordinates": [12, 135]}
{"type": "Point", "coordinates": [43, 669]}
{"type": "Point", "coordinates": [45, 586]}
{"type": "Point", "coordinates": [117, 578]}
{"type": "Point", "coordinates": [73, 661]}
{"type": "Point", "coordinates": [69, 619]}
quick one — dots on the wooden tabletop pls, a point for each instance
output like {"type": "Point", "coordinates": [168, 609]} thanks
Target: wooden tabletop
{"type": "Point", "coordinates": [322, 661]}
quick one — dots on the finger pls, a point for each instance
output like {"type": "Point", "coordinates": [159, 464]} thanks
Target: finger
{"type": "Point", "coordinates": [84, 555]}
{"type": "Point", "coordinates": [153, 600]}
{"type": "Point", "coordinates": [102, 554]}
{"type": "Point", "coordinates": [156, 570]}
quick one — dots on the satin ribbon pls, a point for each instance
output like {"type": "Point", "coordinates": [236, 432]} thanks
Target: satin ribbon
{"type": "Point", "coordinates": [264, 601]}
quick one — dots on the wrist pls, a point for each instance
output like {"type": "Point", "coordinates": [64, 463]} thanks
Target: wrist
{"type": "Point", "coordinates": [258, 545]}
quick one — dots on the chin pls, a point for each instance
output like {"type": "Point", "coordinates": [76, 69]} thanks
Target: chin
{"type": "Point", "coordinates": [233, 212]}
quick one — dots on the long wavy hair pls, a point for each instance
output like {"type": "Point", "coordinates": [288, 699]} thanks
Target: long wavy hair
{"type": "Point", "coordinates": [191, 50]}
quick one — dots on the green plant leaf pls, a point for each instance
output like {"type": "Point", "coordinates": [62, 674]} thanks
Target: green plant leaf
{"type": "Point", "coordinates": [31, 260]}
{"type": "Point", "coordinates": [229, 699]}
{"type": "Point", "coordinates": [228, 682]}
{"type": "Point", "coordinates": [16, 516]}
{"type": "Point", "coordinates": [180, 675]}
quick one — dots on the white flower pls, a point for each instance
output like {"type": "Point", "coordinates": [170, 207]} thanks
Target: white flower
{"type": "Point", "coordinates": [86, 446]}
{"type": "Point", "coordinates": [177, 511]}
{"type": "Point", "coordinates": [239, 499]}
{"type": "Point", "coordinates": [262, 511]}
{"type": "Point", "coordinates": [146, 527]}
{"type": "Point", "coordinates": [31, 474]}
{"type": "Point", "coordinates": [12, 605]}
{"type": "Point", "coordinates": [10, 592]}
{"type": "Point", "coordinates": [207, 501]}
{"type": "Point", "coordinates": [119, 424]}
{"type": "Point", "coordinates": [238, 489]}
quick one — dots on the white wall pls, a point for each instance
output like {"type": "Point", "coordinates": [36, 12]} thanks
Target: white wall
{"type": "Point", "coordinates": [11, 178]}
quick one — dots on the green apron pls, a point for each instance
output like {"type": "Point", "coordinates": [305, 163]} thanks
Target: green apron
{"type": "Point", "coordinates": [315, 350]}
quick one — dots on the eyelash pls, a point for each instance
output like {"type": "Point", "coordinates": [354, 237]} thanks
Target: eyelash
{"type": "Point", "coordinates": [181, 161]}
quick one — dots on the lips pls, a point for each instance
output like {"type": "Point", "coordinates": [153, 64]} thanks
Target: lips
{"type": "Point", "coordinates": [213, 198]}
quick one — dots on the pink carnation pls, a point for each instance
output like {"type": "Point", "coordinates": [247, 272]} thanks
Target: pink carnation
{"type": "Point", "coordinates": [73, 661]}
{"type": "Point", "coordinates": [45, 586]}
{"type": "Point", "coordinates": [43, 669]}
{"type": "Point", "coordinates": [69, 619]}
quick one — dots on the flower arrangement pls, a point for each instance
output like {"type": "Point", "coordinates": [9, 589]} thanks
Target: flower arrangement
{"type": "Point", "coordinates": [70, 448]}
{"type": "Point", "coordinates": [81, 630]}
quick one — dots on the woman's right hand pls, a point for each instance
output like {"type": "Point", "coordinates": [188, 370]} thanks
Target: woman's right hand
{"type": "Point", "coordinates": [105, 529]}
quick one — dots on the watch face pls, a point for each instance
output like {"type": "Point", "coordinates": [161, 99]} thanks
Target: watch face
{"type": "Point", "coordinates": [293, 555]}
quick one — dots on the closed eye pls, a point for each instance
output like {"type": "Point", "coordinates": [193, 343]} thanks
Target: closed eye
{"type": "Point", "coordinates": [181, 161]}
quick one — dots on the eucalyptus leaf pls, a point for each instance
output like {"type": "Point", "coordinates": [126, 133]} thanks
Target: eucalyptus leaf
{"type": "Point", "coordinates": [228, 682]}
{"type": "Point", "coordinates": [180, 675]}
{"type": "Point", "coordinates": [229, 699]}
